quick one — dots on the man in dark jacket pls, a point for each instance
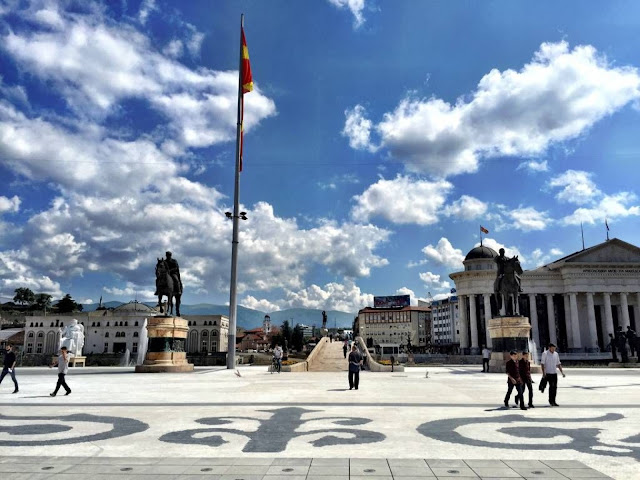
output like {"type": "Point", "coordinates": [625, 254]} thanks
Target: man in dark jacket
{"type": "Point", "coordinates": [524, 366]}
{"type": "Point", "coordinates": [514, 380]}
{"type": "Point", "coordinates": [9, 366]}
{"type": "Point", "coordinates": [355, 362]}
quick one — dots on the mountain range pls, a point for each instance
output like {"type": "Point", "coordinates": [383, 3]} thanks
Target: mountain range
{"type": "Point", "coordinates": [248, 318]}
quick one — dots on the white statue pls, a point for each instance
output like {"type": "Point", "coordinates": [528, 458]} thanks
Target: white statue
{"type": "Point", "coordinates": [72, 337]}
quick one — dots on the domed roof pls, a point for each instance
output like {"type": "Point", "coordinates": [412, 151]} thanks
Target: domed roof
{"type": "Point", "coordinates": [133, 307]}
{"type": "Point", "coordinates": [481, 252]}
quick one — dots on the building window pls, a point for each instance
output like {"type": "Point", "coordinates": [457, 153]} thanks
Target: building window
{"type": "Point", "coordinates": [30, 335]}
{"type": "Point", "coordinates": [135, 334]}
{"type": "Point", "coordinates": [39, 348]}
{"type": "Point", "coordinates": [136, 324]}
{"type": "Point", "coordinates": [106, 335]}
{"type": "Point", "coordinates": [134, 348]}
{"type": "Point", "coordinates": [107, 324]}
{"type": "Point", "coordinates": [29, 347]}
{"type": "Point", "coordinates": [106, 348]}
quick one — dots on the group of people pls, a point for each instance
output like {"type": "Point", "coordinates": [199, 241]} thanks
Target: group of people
{"type": "Point", "coordinates": [62, 362]}
{"type": "Point", "coordinates": [618, 344]}
{"type": "Point", "coordinates": [519, 376]}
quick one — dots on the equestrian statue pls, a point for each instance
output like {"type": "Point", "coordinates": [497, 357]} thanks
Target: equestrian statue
{"type": "Point", "coordinates": [507, 285]}
{"type": "Point", "coordinates": [168, 283]}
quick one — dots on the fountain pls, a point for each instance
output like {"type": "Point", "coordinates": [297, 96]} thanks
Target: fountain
{"type": "Point", "coordinates": [142, 344]}
{"type": "Point", "coordinates": [124, 362]}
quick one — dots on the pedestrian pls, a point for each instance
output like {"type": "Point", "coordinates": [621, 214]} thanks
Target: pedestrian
{"type": "Point", "coordinates": [621, 341]}
{"type": "Point", "coordinates": [355, 362]}
{"type": "Point", "coordinates": [277, 355]}
{"type": "Point", "coordinates": [345, 347]}
{"type": "Point", "coordinates": [63, 368]}
{"type": "Point", "coordinates": [9, 366]}
{"type": "Point", "coordinates": [393, 360]}
{"type": "Point", "coordinates": [631, 338]}
{"type": "Point", "coordinates": [550, 362]}
{"type": "Point", "coordinates": [485, 359]}
{"type": "Point", "coordinates": [514, 380]}
{"type": "Point", "coordinates": [524, 365]}
{"type": "Point", "coordinates": [612, 344]}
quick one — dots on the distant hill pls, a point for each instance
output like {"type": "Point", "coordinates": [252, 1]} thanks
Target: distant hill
{"type": "Point", "coordinates": [249, 318]}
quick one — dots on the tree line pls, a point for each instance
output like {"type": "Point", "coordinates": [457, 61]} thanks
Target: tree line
{"type": "Point", "coordinates": [44, 301]}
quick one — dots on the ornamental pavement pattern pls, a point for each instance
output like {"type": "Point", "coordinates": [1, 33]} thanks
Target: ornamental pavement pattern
{"type": "Point", "coordinates": [214, 424]}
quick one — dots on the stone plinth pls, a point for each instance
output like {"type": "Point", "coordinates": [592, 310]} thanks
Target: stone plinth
{"type": "Point", "coordinates": [508, 333]}
{"type": "Point", "coordinates": [167, 342]}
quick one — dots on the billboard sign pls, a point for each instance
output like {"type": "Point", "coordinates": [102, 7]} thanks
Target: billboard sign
{"type": "Point", "coordinates": [392, 301]}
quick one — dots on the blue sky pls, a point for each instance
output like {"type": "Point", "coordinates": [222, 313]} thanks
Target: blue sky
{"type": "Point", "coordinates": [380, 136]}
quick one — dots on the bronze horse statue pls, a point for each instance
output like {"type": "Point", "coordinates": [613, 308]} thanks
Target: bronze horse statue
{"type": "Point", "coordinates": [167, 286]}
{"type": "Point", "coordinates": [508, 290]}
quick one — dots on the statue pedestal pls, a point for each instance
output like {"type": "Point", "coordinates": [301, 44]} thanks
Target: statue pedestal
{"type": "Point", "coordinates": [508, 333]}
{"type": "Point", "coordinates": [77, 361]}
{"type": "Point", "coordinates": [167, 342]}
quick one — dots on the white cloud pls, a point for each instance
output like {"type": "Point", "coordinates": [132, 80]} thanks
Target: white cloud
{"type": "Point", "coordinates": [556, 97]}
{"type": "Point", "coordinates": [104, 64]}
{"type": "Point", "coordinates": [357, 128]}
{"type": "Point", "coordinates": [262, 305]}
{"type": "Point", "coordinates": [528, 218]}
{"type": "Point", "coordinates": [15, 272]}
{"type": "Point", "coordinates": [11, 205]}
{"type": "Point", "coordinates": [576, 187]}
{"type": "Point", "coordinates": [402, 201]}
{"type": "Point", "coordinates": [466, 208]}
{"type": "Point", "coordinates": [146, 7]}
{"type": "Point", "coordinates": [407, 291]}
{"type": "Point", "coordinates": [508, 251]}
{"type": "Point", "coordinates": [444, 254]}
{"type": "Point", "coordinates": [432, 280]}
{"type": "Point", "coordinates": [355, 6]}
{"type": "Point", "coordinates": [344, 297]}
{"type": "Point", "coordinates": [610, 207]}
{"type": "Point", "coordinates": [534, 167]}
{"type": "Point", "coordinates": [556, 252]}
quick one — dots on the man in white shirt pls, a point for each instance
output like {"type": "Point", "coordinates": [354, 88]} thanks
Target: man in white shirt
{"type": "Point", "coordinates": [549, 362]}
{"type": "Point", "coordinates": [486, 353]}
{"type": "Point", "coordinates": [277, 354]}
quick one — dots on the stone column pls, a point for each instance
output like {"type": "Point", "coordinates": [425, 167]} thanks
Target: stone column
{"type": "Point", "coordinates": [551, 319]}
{"type": "Point", "coordinates": [593, 328]}
{"type": "Point", "coordinates": [567, 320]}
{"type": "Point", "coordinates": [464, 321]}
{"type": "Point", "coordinates": [487, 316]}
{"type": "Point", "coordinates": [608, 316]}
{"type": "Point", "coordinates": [533, 317]}
{"type": "Point", "coordinates": [624, 306]}
{"type": "Point", "coordinates": [575, 324]}
{"type": "Point", "coordinates": [473, 319]}
{"type": "Point", "coordinates": [637, 311]}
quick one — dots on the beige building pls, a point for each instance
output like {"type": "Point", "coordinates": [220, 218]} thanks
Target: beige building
{"type": "Point", "coordinates": [395, 325]}
{"type": "Point", "coordinates": [115, 331]}
{"type": "Point", "coordinates": [574, 302]}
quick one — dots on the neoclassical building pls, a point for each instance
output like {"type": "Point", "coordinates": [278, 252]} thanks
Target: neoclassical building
{"type": "Point", "coordinates": [115, 331]}
{"type": "Point", "coordinates": [574, 302]}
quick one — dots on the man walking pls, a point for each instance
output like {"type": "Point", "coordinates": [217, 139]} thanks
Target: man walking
{"type": "Point", "coordinates": [485, 359]}
{"type": "Point", "coordinates": [345, 348]}
{"type": "Point", "coordinates": [355, 361]}
{"type": "Point", "coordinates": [63, 368]}
{"type": "Point", "coordinates": [524, 365]}
{"type": "Point", "coordinates": [9, 366]}
{"type": "Point", "coordinates": [550, 362]}
{"type": "Point", "coordinates": [514, 380]}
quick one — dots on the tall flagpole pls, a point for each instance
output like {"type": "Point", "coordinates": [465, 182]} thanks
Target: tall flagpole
{"type": "Point", "coordinates": [233, 305]}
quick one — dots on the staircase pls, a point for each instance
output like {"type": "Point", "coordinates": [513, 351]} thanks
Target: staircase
{"type": "Point", "coordinates": [330, 358]}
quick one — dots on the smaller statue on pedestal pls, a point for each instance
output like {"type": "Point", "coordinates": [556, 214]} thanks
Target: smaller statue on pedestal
{"type": "Point", "coordinates": [72, 337]}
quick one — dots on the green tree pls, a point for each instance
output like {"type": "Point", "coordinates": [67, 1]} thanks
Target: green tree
{"type": "Point", "coordinates": [24, 296]}
{"type": "Point", "coordinates": [68, 305]}
{"type": "Point", "coordinates": [297, 338]}
{"type": "Point", "coordinates": [286, 332]}
{"type": "Point", "coordinates": [43, 301]}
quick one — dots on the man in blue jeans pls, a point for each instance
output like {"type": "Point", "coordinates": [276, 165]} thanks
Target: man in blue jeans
{"type": "Point", "coordinates": [9, 366]}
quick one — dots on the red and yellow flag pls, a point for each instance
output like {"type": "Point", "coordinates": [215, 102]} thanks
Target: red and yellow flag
{"type": "Point", "coordinates": [247, 86]}
{"type": "Point", "coordinates": [483, 230]}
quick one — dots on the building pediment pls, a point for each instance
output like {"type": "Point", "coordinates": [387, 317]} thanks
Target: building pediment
{"type": "Point", "coordinates": [613, 251]}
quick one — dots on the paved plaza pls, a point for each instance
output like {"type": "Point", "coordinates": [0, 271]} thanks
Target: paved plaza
{"type": "Point", "coordinates": [436, 422]}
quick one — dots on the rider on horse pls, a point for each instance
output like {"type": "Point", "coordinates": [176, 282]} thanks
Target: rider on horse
{"type": "Point", "coordinates": [173, 270]}
{"type": "Point", "coordinates": [500, 261]}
